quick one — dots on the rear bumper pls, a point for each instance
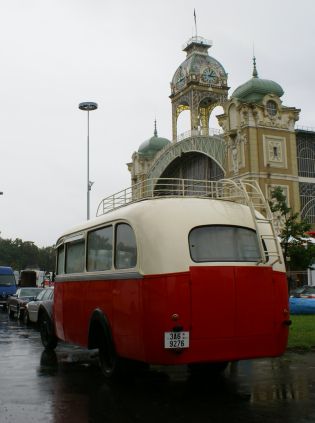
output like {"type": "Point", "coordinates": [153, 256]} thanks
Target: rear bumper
{"type": "Point", "coordinates": [229, 349]}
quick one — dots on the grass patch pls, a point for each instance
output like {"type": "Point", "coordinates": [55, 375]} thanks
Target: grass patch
{"type": "Point", "coordinates": [302, 332]}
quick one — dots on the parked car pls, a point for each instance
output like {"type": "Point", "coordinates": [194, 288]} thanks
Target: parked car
{"type": "Point", "coordinates": [7, 284]}
{"type": "Point", "coordinates": [16, 303]}
{"type": "Point", "coordinates": [305, 291]}
{"type": "Point", "coordinates": [308, 292]}
{"type": "Point", "coordinates": [33, 307]}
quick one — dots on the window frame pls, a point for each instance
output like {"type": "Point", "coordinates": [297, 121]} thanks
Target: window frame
{"type": "Point", "coordinates": [88, 232]}
{"type": "Point", "coordinates": [84, 236]}
{"type": "Point", "coordinates": [59, 246]}
{"type": "Point", "coordinates": [72, 241]}
{"type": "Point", "coordinates": [227, 261]}
{"type": "Point", "coordinates": [115, 246]}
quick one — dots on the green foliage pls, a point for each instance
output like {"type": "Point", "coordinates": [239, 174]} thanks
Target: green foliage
{"type": "Point", "coordinates": [20, 255]}
{"type": "Point", "coordinates": [301, 332]}
{"type": "Point", "coordinates": [293, 232]}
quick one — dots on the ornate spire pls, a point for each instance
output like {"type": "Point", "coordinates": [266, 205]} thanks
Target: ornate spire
{"type": "Point", "coordinates": [155, 130]}
{"type": "Point", "coordinates": [255, 73]}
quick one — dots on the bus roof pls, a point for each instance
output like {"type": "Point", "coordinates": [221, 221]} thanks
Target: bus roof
{"type": "Point", "coordinates": [226, 194]}
{"type": "Point", "coordinates": [162, 211]}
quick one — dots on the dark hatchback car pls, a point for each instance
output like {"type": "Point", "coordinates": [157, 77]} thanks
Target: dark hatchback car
{"type": "Point", "coordinates": [16, 304]}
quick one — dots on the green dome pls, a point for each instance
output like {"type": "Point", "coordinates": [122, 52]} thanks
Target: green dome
{"type": "Point", "coordinates": [154, 144]}
{"type": "Point", "coordinates": [254, 90]}
{"type": "Point", "coordinates": [196, 62]}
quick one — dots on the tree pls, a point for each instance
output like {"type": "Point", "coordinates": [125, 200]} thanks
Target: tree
{"type": "Point", "coordinates": [293, 232]}
{"type": "Point", "coordinates": [22, 254]}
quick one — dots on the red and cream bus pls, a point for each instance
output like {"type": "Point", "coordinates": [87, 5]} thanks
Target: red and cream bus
{"type": "Point", "coordinates": [173, 272]}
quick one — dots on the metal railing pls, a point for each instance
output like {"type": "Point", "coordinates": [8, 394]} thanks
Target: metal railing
{"type": "Point", "coordinates": [199, 40]}
{"type": "Point", "coordinates": [305, 128]}
{"type": "Point", "coordinates": [203, 132]}
{"type": "Point", "coordinates": [224, 189]}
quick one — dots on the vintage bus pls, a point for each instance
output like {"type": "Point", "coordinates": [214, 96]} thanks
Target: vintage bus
{"type": "Point", "coordinates": [173, 272]}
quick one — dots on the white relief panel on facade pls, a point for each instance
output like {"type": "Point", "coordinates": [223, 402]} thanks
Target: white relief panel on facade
{"type": "Point", "coordinates": [274, 151]}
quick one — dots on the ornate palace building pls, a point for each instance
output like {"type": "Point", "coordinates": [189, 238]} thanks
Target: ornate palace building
{"type": "Point", "coordinates": [257, 140]}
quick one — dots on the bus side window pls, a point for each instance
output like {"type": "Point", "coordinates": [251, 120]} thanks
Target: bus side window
{"type": "Point", "coordinates": [75, 255]}
{"type": "Point", "coordinates": [125, 247]}
{"type": "Point", "coordinates": [61, 260]}
{"type": "Point", "coordinates": [100, 249]}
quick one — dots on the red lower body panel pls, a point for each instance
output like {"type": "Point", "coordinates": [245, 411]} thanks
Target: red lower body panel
{"type": "Point", "coordinates": [230, 312]}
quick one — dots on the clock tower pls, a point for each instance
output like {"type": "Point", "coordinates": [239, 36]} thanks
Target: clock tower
{"type": "Point", "coordinates": [199, 85]}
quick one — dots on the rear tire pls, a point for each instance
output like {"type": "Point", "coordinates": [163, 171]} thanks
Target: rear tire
{"type": "Point", "coordinates": [47, 334]}
{"type": "Point", "coordinates": [26, 319]}
{"type": "Point", "coordinates": [108, 359]}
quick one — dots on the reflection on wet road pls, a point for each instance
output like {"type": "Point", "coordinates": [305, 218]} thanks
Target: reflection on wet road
{"type": "Point", "coordinates": [36, 386]}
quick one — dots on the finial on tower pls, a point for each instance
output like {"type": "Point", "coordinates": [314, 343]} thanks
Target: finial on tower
{"type": "Point", "coordinates": [255, 73]}
{"type": "Point", "coordinates": [195, 19]}
{"type": "Point", "coordinates": [155, 130]}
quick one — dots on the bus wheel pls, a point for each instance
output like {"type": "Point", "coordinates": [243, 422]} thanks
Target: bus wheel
{"type": "Point", "coordinates": [48, 337]}
{"type": "Point", "coordinates": [207, 369]}
{"type": "Point", "coordinates": [108, 359]}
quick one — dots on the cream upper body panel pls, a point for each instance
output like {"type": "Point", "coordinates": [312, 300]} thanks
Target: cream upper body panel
{"type": "Point", "coordinates": [162, 227]}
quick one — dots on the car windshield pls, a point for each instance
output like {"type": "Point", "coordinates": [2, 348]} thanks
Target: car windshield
{"type": "Point", "coordinates": [29, 292]}
{"type": "Point", "coordinates": [7, 280]}
{"type": "Point", "coordinates": [40, 295]}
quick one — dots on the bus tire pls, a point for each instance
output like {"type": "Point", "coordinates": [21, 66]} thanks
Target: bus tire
{"type": "Point", "coordinates": [48, 337]}
{"type": "Point", "coordinates": [108, 359]}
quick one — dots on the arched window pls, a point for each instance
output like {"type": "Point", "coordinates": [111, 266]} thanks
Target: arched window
{"type": "Point", "coordinates": [213, 121]}
{"type": "Point", "coordinates": [306, 160]}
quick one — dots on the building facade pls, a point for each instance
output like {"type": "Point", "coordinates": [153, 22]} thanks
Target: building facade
{"type": "Point", "coordinates": [257, 140]}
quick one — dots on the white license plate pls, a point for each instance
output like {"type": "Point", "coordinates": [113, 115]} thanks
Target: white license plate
{"type": "Point", "coordinates": [176, 339]}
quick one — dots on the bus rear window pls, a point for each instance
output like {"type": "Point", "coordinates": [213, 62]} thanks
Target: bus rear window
{"type": "Point", "coordinates": [100, 249]}
{"type": "Point", "coordinates": [223, 243]}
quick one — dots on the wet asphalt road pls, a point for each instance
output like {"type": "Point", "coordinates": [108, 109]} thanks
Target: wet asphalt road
{"type": "Point", "coordinates": [66, 387]}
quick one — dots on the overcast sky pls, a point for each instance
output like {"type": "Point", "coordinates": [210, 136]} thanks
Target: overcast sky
{"type": "Point", "coordinates": [121, 54]}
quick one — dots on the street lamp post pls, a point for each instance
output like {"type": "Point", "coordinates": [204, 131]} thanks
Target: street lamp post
{"type": "Point", "coordinates": [88, 106]}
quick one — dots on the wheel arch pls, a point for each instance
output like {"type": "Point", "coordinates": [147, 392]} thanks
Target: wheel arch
{"type": "Point", "coordinates": [43, 309]}
{"type": "Point", "coordinates": [99, 326]}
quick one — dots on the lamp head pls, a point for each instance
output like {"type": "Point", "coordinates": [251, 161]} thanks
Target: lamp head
{"type": "Point", "coordinates": [88, 106]}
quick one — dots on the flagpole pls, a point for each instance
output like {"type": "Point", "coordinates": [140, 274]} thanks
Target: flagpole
{"type": "Point", "coordinates": [195, 19]}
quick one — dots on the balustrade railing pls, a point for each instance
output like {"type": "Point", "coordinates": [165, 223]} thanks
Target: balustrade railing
{"type": "Point", "coordinates": [224, 189]}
